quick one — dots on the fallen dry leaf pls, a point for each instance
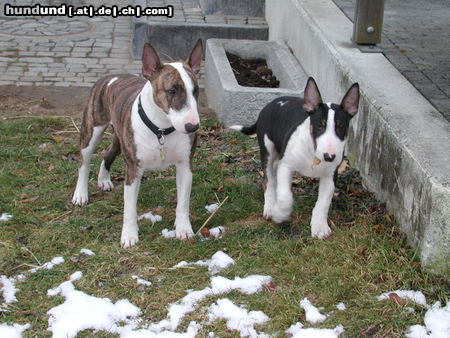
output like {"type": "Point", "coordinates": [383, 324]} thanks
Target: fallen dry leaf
{"type": "Point", "coordinates": [31, 199]}
{"type": "Point", "coordinates": [205, 232]}
{"type": "Point", "coordinates": [271, 287]}
{"type": "Point", "coordinates": [397, 299]}
{"type": "Point", "coordinates": [57, 139]}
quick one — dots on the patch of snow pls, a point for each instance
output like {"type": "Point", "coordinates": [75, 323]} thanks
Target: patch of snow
{"type": "Point", "coordinates": [13, 331]}
{"type": "Point", "coordinates": [8, 288]}
{"type": "Point", "coordinates": [219, 261]}
{"type": "Point", "coordinates": [141, 281]}
{"type": "Point", "coordinates": [294, 329]}
{"type": "Point", "coordinates": [248, 285]}
{"type": "Point", "coordinates": [87, 252]}
{"type": "Point", "coordinates": [217, 232]}
{"type": "Point", "coordinates": [212, 207]}
{"type": "Point", "coordinates": [81, 311]}
{"type": "Point", "coordinates": [151, 217]}
{"type": "Point", "coordinates": [437, 323]}
{"type": "Point", "coordinates": [415, 296]}
{"type": "Point", "coordinates": [298, 331]}
{"type": "Point", "coordinates": [312, 313]}
{"type": "Point", "coordinates": [341, 307]}
{"type": "Point", "coordinates": [191, 332]}
{"type": "Point", "coordinates": [166, 233]}
{"type": "Point", "coordinates": [5, 217]}
{"type": "Point", "coordinates": [219, 285]}
{"type": "Point", "coordinates": [43, 145]}
{"type": "Point", "coordinates": [49, 265]}
{"type": "Point", "coordinates": [237, 318]}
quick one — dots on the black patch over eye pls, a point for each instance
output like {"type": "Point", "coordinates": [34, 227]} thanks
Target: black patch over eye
{"type": "Point", "coordinates": [341, 122]}
{"type": "Point", "coordinates": [195, 92]}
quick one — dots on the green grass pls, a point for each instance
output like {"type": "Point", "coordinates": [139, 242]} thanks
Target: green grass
{"type": "Point", "coordinates": [365, 256]}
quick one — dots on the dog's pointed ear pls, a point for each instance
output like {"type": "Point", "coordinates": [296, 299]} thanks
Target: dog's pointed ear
{"type": "Point", "coordinates": [312, 96]}
{"type": "Point", "coordinates": [151, 64]}
{"type": "Point", "coordinates": [350, 101]}
{"type": "Point", "coordinates": [195, 58]}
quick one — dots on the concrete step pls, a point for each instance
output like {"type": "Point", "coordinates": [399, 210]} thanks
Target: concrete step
{"type": "Point", "coordinates": [173, 37]}
{"type": "Point", "coordinates": [175, 40]}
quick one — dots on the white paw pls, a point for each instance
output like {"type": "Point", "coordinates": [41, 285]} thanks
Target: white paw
{"type": "Point", "coordinates": [321, 230]}
{"type": "Point", "coordinates": [280, 215]}
{"type": "Point", "coordinates": [105, 185]}
{"type": "Point", "coordinates": [80, 197]}
{"type": "Point", "coordinates": [184, 231]}
{"type": "Point", "coordinates": [129, 238]}
{"type": "Point", "coordinates": [267, 213]}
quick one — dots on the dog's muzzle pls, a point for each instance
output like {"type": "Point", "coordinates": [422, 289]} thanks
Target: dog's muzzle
{"type": "Point", "coordinates": [190, 128]}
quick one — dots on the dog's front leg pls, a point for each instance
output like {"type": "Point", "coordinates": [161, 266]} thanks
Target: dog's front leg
{"type": "Point", "coordinates": [130, 227]}
{"type": "Point", "coordinates": [284, 200]}
{"type": "Point", "coordinates": [183, 227]}
{"type": "Point", "coordinates": [319, 224]}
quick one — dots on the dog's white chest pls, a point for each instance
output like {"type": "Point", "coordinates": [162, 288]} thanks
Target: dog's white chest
{"type": "Point", "coordinates": [157, 155]}
{"type": "Point", "coordinates": [300, 153]}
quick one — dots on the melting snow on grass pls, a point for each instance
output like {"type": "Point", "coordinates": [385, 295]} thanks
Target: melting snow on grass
{"type": "Point", "coordinates": [151, 217]}
{"type": "Point", "coordinates": [81, 311]}
{"type": "Point", "coordinates": [212, 207]}
{"type": "Point", "coordinates": [87, 252]}
{"type": "Point", "coordinates": [415, 296]}
{"type": "Point", "coordinates": [8, 284]}
{"type": "Point", "coordinates": [297, 331]}
{"type": "Point", "coordinates": [219, 261]}
{"type": "Point", "coordinates": [437, 323]}
{"type": "Point", "coordinates": [237, 318]}
{"type": "Point", "coordinates": [13, 331]}
{"type": "Point", "coordinates": [312, 313]}
{"type": "Point", "coordinates": [8, 288]}
{"type": "Point", "coordinates": [5, 217]}
{"type": "Point", "coordinates": [141, 281]}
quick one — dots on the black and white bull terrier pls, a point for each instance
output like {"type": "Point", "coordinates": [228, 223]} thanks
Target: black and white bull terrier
{"type": "Point", "coordinates": [155, 119]}
{"type": "Point", "coordinates": [307, 136]}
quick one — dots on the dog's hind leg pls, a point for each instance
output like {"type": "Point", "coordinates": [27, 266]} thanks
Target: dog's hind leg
{"type": "Point", "coordinates": [319, 224]}
{"type": "Point", "coordinates": [80, 196]}
{"type": "Point", "coordinates": [104, 175]}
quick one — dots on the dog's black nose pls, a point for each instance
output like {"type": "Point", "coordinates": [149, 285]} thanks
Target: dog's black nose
{"type": "Point", "coordinates": [190, 128]}
{"type": "Point", "coordinates": [329, 158]}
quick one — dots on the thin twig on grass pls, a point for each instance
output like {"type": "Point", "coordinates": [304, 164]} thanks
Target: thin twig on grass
{"type": "Point", "coordinates": [211, 216]}
{"type": "Point", "coordinates": [32, 254]}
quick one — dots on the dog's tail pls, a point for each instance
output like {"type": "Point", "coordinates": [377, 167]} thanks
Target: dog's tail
{"type": "Point", "coordinates": [246, 130]}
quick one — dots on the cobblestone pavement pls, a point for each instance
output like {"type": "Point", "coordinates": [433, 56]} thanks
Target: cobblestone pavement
{"type": "Point", "coordinates": [416, 40]}
{"type": "Point", "coordinates": [63, 51]}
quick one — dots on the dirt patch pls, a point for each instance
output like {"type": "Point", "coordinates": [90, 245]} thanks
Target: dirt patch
{"type": "Point", "coordinates": [42, 101]}
{"type": "Point", "coordinates": [252, 73]}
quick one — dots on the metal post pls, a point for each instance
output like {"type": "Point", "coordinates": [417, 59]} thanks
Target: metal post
{"type": "Point", "coordinates": [368, 22]}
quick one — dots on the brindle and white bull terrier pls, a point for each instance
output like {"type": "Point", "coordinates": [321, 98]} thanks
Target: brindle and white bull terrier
{"type": "Point", "coordinates": [155, 119]}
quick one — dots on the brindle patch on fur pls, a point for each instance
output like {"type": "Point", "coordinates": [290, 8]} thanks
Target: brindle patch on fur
{"type": "Point", "coordinates": [169, 90]}
{"type": "Point", "coordinates": [113, 104]}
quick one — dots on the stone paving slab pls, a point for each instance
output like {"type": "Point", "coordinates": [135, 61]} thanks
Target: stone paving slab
{"type": "Point", "coordinates": [63, 51]}
{"type": "Point", "coordinates": [415, 40]}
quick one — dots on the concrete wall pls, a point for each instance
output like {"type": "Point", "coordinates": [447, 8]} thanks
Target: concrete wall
{"type": "Point", "coordinates": [398, 140]}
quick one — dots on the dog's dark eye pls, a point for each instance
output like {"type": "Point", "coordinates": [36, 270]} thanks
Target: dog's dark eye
{"type": "Point", "coordinates": [172, 91]}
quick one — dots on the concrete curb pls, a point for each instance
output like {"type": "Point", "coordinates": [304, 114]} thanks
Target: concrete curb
{"type": "Point", "coordinates": [175, 40]}
{"type": "Point", "coordinates": [398, 140]}
{"type": "Point", "coordinates": [235, 104]}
